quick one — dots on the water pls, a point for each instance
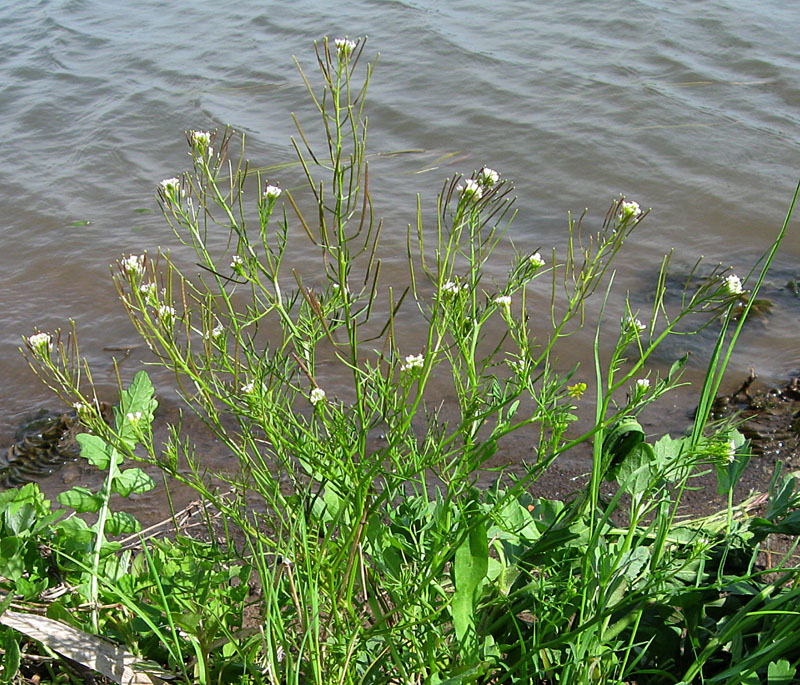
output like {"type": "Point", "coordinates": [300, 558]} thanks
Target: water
{"type": "Point", "coordinates": [689, 108]}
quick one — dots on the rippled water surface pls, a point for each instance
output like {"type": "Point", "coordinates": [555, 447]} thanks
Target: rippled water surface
{"type": "Point", "coordinates": [689, 108]}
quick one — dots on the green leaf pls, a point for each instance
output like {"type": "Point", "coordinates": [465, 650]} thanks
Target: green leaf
{"type": "Point", "coordinates": [143, 210]}
{"type": "Point", "coordinates": [677, 368]}
{"type": "Point", "coordinates": [635, 472]}
{"type": "Point", "coordinates": [80, 499]}
{"type": "Point", "coordinates": [11, 660]}
{"type": "Point", "coordinates": [634, 562]}
{"type": "Point", "coordinates": [97, 451]}
{"type": "Point", "coordinates": [132, 481]}
{"type": "Point", "coordinates": [79, 223]}
{"type": "Point", "coordinates": [619, 442]}
{"type": "Point", "coordinates": [729, 474]}
{"type": "Point", "coordinates": [121, 523]}
{"type": "Point", "coordinates": [469, 569]}
{"type": "Point", "coordinates": [75, 530]}
{"type": "Point", "coordinates": [12, 562]}
{"type": "Point", "coordinates": [138, 401]}
{"type": "Point", "coordinates": [780, 673]}
{"type": "Point", "coordinates": [21, 519]}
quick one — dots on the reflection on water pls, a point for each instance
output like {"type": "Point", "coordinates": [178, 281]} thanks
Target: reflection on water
{"type": "Point", "coordinates": [689, 108]}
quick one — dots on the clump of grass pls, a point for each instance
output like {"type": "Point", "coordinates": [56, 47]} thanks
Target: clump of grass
{"type": "Point", "coordinates": [405, 559]}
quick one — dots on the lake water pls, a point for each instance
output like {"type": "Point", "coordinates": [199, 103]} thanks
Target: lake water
{"type": "Point", "coordinates": [689, 108]}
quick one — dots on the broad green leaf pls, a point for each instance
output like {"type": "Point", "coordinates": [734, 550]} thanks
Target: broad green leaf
{"type": "Point", "coordinates": [635, 472]}
{"type": "Point", "coordinates": [75, 529]}
{"type": "Point", "coordinates": [619, 442]}
{"type": "Point", "coordinates": [729, 474]}
{"type": "Point", "coordinates": [21, 519]}
{"type": "Point", "coordinates": [12, 562]}
{"type": "Point", "coordinates": [97, 451]}
{"type": "Point", "coordinates": [470, 566]}
{"type": "Point", "coordinates": [116, 566]}
{"type": "Point", "coordinates": [634, 561]}
{"type": "Point", "coordinates": [780, 673]}
{"type": "Point", "coordinates": [11, 660]}
{"type": "Point", "coordinates": [121, 523]}
{"type": "Point", "coordinates": [134, 414]}
{"type": "Point", "coordinates": [80, 499]}
{"type": "Point", "coordinates": [132, 481]}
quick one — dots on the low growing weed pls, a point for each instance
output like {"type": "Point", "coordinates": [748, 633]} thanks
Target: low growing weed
{"type": "Point", "coordinates": [383, 548]}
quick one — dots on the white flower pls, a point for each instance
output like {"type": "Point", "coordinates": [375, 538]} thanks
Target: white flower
{"type": "Point", "coordinates": [344, 46]}
{"type": "Point", "coordinates": [450, 288]}
{"type": "Point", "coordinates": [731, 451]}
{"type": "Point", "coordinates": [40, 342]}
{"type": "Point", "coordinates": [337, 288]}
{"type": "Point", "coordinates": [642, 384]}
{"type": "Point", "coordinates": [165, 311]}
{"type": "Point", "coordinates": [413, 361]}
{"type": "Point", "coordinates": [134, 417]}
{"type": "Point", "coordinates": [536, 260]}
{"type": "Point", "coordinates": [147, 289]}
{"type": "Point", "coordinates": [237, 262]}
{"type": "Point", "coordinates": [632, 323]}
{"type": "Point", "coordinates": [733, 285]}
{"type": "Point", "coordinates": [471, 188]}
{"type": "Point", "coordinates": [488, 177]}
{"type": "Point", "coordinates": [83, 410]}
{"type": "Point", "coordinates": [248, 388]}
{"type": "Point", "coordinates": [215, 332]}
{"type": "Point", "coordinates": [503, 300]}
{"type": "Point", "coordinates": [200, 138]}
{"type": "Point", "coordinates": [317, 395]}
{"type": "Point", "coordinates": [133, 265]}
{"type": "Point", "coordinates": [170, 186]}
{"type": "Point", "coordinates": [629, 210]}
{"type": "Point", "coordinates": [272, 192]}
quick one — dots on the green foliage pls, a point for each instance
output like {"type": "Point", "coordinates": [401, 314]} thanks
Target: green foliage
{"type": "Point", "coordinates": [362, 509]}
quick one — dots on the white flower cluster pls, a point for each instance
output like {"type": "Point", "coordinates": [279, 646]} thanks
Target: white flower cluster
{"type": "Point", "coordinates": [631, 323]}
{"type": "Point", "coordinates": [452, 288]}
{"type": "Point", "coordinates": [133, 265]}
{"type": "Point", "coordinates": [317, 395]}
{"type": "Point", "coordinates": [733, 285]}
{"type": "Point", "coordinates": [165, 312]}
{"type": "Point", "coordinates": [148, 290]}
{"type": "Point", "coordinates": [200, 138]}
{"type": "Point", "coordinates": [629, 210]}
{"type": "Point", "coordinates": [272, 192]}
{"type": "Point", "coordinates": [40, 342]}
{"type": "Point", "coordinates": [170, 186]}
{"type": "Point", "coordinates": [536, 260]}
{"type": "Point", "coordinates": [730, 455]}
{"type": "Point", "coordinates": [134, 417]}
{"type": "Point", "coordinates": [344, 46]}
{"type": "Point", "coordinates": [471, 189]}
{"type": "Point", "coordinates": [503, 300]}
{"type": "Point", "coordinates": [642, 385]}
{"type": "Point", "coordinates": [248, 388]}
{"type": "Point", "coordinates": [215, 332]}
{"type": "Point", "coordinates": [237, 263]}
{"type": "Point", "coordinates": [413, 361]}
{"type": "Point", "coordinates": [488, 177]}
{"type": "Point", "coordinates": [200, 142]}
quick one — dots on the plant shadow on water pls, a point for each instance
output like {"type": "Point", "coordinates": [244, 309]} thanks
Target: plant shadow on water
{"type": "Point", "coordinates": [351, 531]}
